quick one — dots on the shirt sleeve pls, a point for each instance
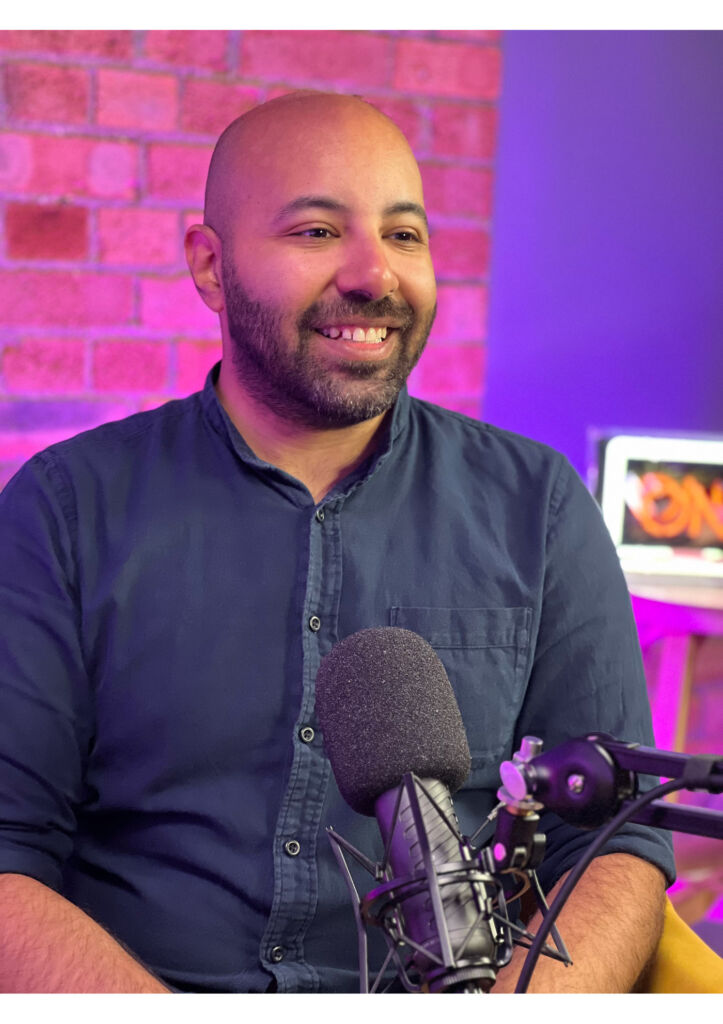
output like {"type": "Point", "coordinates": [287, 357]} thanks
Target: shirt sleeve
{"type": "Point", "coordinates": [587, 673]}
{"type": "Point", "coordinates": [45, 725]}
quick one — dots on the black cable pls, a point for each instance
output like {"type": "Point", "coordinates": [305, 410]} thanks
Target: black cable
{"type": "Point", "coordinates": [576, 873]}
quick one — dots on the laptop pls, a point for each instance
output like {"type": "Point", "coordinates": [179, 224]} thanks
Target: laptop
{"type": "Point", "coordinates": [662, 500]}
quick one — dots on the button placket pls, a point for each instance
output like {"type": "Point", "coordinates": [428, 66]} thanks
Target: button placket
{"type": "Point", "coordinates": [296, 874]}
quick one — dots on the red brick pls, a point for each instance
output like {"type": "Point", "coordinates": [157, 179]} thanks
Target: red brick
{"type": "Point", "coordinates": [447, 69]}
{"type": "Point", "coordinates": [113, 45]}
{"type": "Point", "coordinates": [194, 360]}
{"type": "Point", "coordinates": [130, 365]}
{"type": "Point", "coordinates": [67, 299]}
{"type": "Point", "coordinates": [46, 92]}
{"type": "Point", "coordinates": [460, 252]}
{"type": "Point", "coordinates": [202, 49]}
{"type": "Point", "coordinates": [405, 114]}
{"type": "Point", "coordinates": [69, 165]}
{"type": "Point", "coordinates": [192, 217]}
{"type": "Point", "coordinates": [23, 444]}
{"type": "Point", "coordinates": [173, 304]}
{"type": "Point", "coordinates": [459, 130]}
{"type": "Point", "coordinates": [178, 172]}
{"type": "Point", "coordinates": [15, 162]}
{"type": "Point", "coordinates": [37, 424]}
{"type": "Point", "coordinates": [207, 106]}
{"type": "Point", "coordinates": [20, 445]}
{"type": "Point", "coordinates": [457, 191]}
{"type": "Point", "coordinates": [113, 170]}
{"type": "Point", "coordinates": [341, 58]}
{"type": "Point", "coordinates": [45, 364]}
{"type": "Point", "coordinates": [139, 237]}
{"type": "Point", "coordinates": [132, 99]}
{"type": "Point", "coordinates": [45, 231]}
{"type": "Point", "coordinates": [448, 369]}
{"type": "Point", "coordinates": [60, 165]}
{"type": "Point", "coordinates": [461, 313]}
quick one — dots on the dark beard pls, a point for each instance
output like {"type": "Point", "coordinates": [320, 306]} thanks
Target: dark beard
{"type": "Point", "coordinates": [295, 385]}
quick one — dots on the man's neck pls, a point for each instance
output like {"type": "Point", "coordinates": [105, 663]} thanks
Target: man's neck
{"type": "Point", "coordinates": [318, 457]}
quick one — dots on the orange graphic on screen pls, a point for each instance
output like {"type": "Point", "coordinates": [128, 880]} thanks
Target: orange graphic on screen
{"type": "Point", "coordinates": [666, 507]}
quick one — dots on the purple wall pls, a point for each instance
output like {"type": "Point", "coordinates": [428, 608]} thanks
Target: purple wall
{"type": "Point", "coordinates": [606, 305]}
{"type": "Point", "coordinates": [606, 294]}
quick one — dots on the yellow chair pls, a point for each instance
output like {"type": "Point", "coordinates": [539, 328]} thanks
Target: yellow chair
{"type": "Point", "coordinates": [683, 962]}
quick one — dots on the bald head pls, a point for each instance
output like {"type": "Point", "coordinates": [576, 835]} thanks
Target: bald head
{"type": "Point", "coordinates": [287, 128]}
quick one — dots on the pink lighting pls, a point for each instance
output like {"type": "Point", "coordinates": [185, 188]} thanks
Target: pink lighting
{"type": "Point", "coordinates": [103, 157]}
{"type": "Point", "coordinates": [104, 149]}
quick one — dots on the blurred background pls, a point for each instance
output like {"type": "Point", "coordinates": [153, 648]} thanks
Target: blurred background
{"type": "Point", "coordinates": [572, 181]}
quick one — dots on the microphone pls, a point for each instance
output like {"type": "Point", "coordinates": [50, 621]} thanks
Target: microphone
{"type": "Point", "coordinates": [396, 742]}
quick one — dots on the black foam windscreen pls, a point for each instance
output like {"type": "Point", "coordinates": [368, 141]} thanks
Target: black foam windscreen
{"type": "Point", "coordinates": [386, 707]}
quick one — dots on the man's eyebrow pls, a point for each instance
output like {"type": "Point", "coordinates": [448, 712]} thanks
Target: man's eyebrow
{"type": "Point", "coordinates": [327, 203]}
{"type": "Point", "coordinates": [304, 202]}
{"type": "Point", "coordinates": [405, 207]}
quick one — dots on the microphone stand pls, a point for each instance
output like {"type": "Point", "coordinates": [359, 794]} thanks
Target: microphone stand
{"type": "Point", "coordinates": [696, 772]}
{"type": "Point", "coordinates": [590, 780]}
{"type": "Point", "coordinates": [473, 878]}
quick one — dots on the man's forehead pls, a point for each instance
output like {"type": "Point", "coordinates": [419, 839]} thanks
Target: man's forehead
{"type": "Point", "coordinates": [317, 144]}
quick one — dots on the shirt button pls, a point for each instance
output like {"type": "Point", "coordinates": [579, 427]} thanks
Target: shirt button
{"type": "Point", "coordinates": [314, 623]}
{"type": "Point", "coordinates": [306, 734]}
{"type": "Point", "coordinates": [292, 847]}
{"type": "Point", "coordinates": [320, 515]}
{"type": "Point", "coordinates": [277, 954]}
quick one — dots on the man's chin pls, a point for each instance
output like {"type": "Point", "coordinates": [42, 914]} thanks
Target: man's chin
{"type": "Point", "coordinates": [350, 406]}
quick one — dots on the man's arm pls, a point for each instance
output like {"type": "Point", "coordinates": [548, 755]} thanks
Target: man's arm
{"type": "Point", "coordinates": [47, 944]}
{"type": "Point", "coordinates": [611, 925]}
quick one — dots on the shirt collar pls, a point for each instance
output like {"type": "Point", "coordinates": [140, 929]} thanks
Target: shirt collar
{"type": "Point", "coordinates": [223, 425]}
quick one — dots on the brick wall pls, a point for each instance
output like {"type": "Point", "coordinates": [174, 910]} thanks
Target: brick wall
{"type": "Point", "coordinates": [104, 145]}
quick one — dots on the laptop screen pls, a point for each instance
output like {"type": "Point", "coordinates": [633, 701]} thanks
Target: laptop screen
{"type": "Point", "coordinates": [662, 500]}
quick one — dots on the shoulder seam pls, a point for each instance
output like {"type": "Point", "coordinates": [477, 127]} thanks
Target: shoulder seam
{"type": "Point", "coordinates": [556, 497]}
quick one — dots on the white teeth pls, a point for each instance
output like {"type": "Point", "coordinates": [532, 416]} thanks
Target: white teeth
{"type": "Point", "coordinates": [374, 335]}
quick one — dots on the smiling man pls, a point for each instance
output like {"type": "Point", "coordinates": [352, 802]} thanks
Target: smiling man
{"type": "Point", "coordinates": [319, 267]}
{"type": "Point", "coordinates": [171, 582]}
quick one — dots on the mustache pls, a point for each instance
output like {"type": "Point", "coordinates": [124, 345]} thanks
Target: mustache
{"type": "Point", "coordinates": [378, 309]}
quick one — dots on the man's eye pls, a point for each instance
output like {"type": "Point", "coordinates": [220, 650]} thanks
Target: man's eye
{"type": "Point", "coordinates": [314, 233]}
{"type": "Point", "coordinates": [405, 236]}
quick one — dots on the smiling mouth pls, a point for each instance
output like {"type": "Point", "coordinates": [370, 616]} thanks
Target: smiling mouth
{"type": "Point", "coordinates": [365, 335]}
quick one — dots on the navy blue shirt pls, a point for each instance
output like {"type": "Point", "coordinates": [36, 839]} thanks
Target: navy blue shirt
{"type": "Point", "coordinates": [166, 600]}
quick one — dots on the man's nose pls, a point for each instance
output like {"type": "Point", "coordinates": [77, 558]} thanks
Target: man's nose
{"type": "Point", "coordinates": [365, 270]}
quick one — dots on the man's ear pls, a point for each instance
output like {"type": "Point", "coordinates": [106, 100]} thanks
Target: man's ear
{"type": "Point", "coordinates": [203, 255]}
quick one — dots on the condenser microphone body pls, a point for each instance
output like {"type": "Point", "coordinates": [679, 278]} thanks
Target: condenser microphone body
{"type": "Point", "coordinates": [387, 712]}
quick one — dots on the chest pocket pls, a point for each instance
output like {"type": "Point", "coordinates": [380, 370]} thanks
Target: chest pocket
{"type": "Point", "coordinates": [484, 651]}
